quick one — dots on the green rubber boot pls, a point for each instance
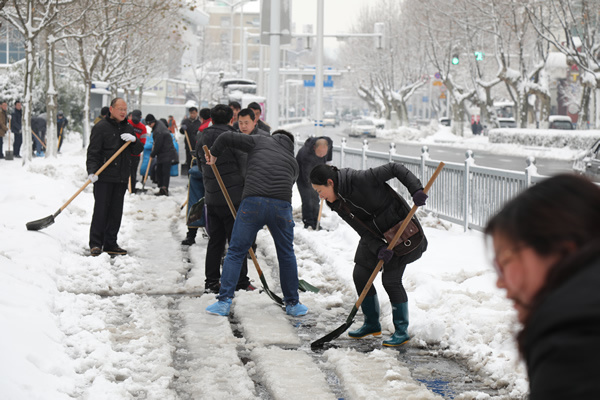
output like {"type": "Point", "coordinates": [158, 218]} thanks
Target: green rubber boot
{"type": "Point", "coordinates": [400, 316]}
{"type": "Point", "coordinates": [371, 326]}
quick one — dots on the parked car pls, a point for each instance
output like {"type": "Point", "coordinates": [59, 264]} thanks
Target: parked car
{"type": "Point", "coordinates": [363, 127]}
{"type": "Point", "coordinates": [445, 121]}
{"type": "Point", "coordinates": [560, 122]}
{"type": "Point", "coordinates": [588, 163]}
{"type": "Point", "coordinates": [507, 122]}
{"type": "Point", "coordinates": [330, 119]}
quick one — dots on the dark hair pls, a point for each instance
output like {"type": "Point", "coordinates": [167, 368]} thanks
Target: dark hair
{"type": "Point", "coordinates": [104, 111]}
{"type": "Point", "coordinates": [221, 114]}
{"type": "Point", "coordinates": [164, 121]}
{"type": "Point", "coordinates": [192, 109]}
{"type": "Point", "coordinates": [550, 217]}
{"type": "Point", "coordinates": [17, 102]}
{"type": "Point", "coordinates": [150, 119]}
{"type": "Point", "coordinates": [322, 172]}
{"type": "Point", "coordinates": [245, 112]}
{"type": "Point", "coordinates": [235, 105]}
{"type": "Point", "coordinates": [205, 113]}
{"type": "Point", "coordinates": [283, 132]}
{"type": "Point", "coordinates": [255, 106]}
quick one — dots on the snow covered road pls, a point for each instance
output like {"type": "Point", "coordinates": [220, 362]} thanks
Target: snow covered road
{"type": "Point", "coordinates": [134, 327]}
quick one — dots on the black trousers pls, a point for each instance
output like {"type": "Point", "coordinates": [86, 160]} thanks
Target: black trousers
{"type": "Point", "coordinates": [391, 276]}
{"type": "Point", "coordinates": [220, 222]}
{"type": "Point", "coordinates": [17, 144]}
{"type": "Point", "coordinates": [108, 211]}
{"type": "Point", "coordinates": [163, 174]}
{"type": "Point", "coordinates": [1, 144]}
{"type": "Point", "coordinates": [135, 163]}
{"type": "Point", "coordinates": [310, 204]}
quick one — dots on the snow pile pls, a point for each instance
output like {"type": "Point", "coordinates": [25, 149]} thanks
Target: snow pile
{"type": "Point", "coordinates": [403, 133]}
{"type": "Point", "coordinates": [577, 140]}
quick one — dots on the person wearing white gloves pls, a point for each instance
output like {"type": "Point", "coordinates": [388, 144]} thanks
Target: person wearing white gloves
{"type": "Point", "coordinates": [108, 135]}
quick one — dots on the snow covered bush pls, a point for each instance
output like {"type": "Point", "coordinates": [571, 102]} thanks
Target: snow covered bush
{"type": "Point", "coordinates": [545, 137]}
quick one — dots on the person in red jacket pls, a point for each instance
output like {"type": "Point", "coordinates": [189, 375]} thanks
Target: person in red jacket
{"type": "Point", "coordinates": [205, 118]}
{"type": "Point", "coordinates": [140, 133]}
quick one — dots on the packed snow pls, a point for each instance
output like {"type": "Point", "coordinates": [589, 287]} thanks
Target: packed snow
{"type": "Point", "coordinates": [130, 327]}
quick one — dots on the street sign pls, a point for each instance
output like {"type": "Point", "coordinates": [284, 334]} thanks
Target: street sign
{"type": "Point", "coordinates": [437, 75]}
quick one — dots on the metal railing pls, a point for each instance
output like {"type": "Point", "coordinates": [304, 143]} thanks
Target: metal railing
{"type": "Point", "coordinates": [466, 193]}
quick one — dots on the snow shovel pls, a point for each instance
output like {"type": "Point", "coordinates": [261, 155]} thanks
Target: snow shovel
{"type": "Point", "coordinates": [9, 155]}
{"type": "Point", "coordinates": [38, 138]}
{"type": "Point", "coordinates": [344, 327]}
{"type": "Point", "coordinates": [60, 138]}
{"type": "Point", "coordinates": [45, 222]}
{"type": "Point", "coordinates": [146, 175]}
{"type": "Point", "coordinates": [272, 295]}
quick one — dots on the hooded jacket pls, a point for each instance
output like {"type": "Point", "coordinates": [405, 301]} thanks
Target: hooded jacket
{"type": "Point", "coordinates": [105, 140]}
{"type": "Point", "coordinates": [307, 159]}
{"type": "Point", "coordinates": [271, 168]}
{"type": "Point", "coordinates": [163, 150]}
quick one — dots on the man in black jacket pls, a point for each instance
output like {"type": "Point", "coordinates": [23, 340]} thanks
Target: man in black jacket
{"type": "Point", "coordinates": [16, 124]}
{"type": "Point", "coordinates": [249, 124]}
{"type": "Point", "coordinates": [163, 152]}
{"type": "Point", "coordinates": [266, 200]}
{"type": "Point", "coordinates": [189, 127]}
{"type": "Point", "coordinates": [316, 151]}
{"type": "Point", "coordinates": [232, 168]}
{"type": "Point", "coordinates": [108, 135]}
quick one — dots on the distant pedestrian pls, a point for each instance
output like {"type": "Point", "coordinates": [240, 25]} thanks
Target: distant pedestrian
{"type": "Point", "coordinates": [235, 107]}
{"type": "Point", "coordinates": [164, 153]}
{"type": "Point", "coordinates": [3, 125]}
{"type": "Point", "coordinates": [61, 124]}
{"type": "Point", "coordinates": [231, 165]}
{"type": "Point", "coordinates": [103, 113]}
{"type": "Point", "coordinates": [316, 151]}
{"type": "Point", "coordinates": [546, 244]}
{"type": "Point", "coordinates": [189, 127]}
{"type": "Point", "coordinates": [371, 207]}
{"type": "Point", "coordinates": [266, 200]}
{"type": "Point", "coordinates": [141, 133]}
{"type": "Point", "coordinates": [108, 135]}
{"type": "Point", "coordinates": [16, 125]}
{"type": "Point", "coordinates": [172, 124]}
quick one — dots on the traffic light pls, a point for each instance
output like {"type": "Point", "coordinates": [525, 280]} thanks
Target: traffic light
{"type": "Point", "coordinates": [455, 59]}
{"type": "Point", "coordinates": [479, 56]}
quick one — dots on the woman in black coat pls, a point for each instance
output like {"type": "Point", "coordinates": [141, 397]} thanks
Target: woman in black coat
{"type": "Point", "coordinates": [547, 255]}
{"type": "Point", "coordinates": [164, 153]}
{"type": "Point", "coordinates": [371, 207]}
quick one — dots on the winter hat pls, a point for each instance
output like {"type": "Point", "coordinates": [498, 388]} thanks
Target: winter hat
{"type": "Point", "coordinates": [136, 113]}
{"type": "Point", "coordinates": [60, 114]}
{"type": "Point", "coordinates": [150, 119]}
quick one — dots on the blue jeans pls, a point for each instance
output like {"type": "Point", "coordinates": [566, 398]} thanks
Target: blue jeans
{"type": "Point", "coordinates": [254, 213]}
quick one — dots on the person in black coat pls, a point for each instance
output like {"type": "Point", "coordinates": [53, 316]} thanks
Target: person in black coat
{"type": "Point", "coordinates": [16, 123]}
{"type": "Point", "coordinates": [163, 152]}
{"type": "Point", "coordinates": [546, 243]}
{"type": "Point", "coordinates": [110, 186]}
{"type": "Point", "coordinates": [249, 122]}
{"type": "Point", "coordinates": [266, 200]}
{"type": "Point", "coordinates": [38, 127]}
{"type": "Point", "coordinates": [371, 207]}
{"type": "Point", "coordinates": [61, 124]}
{"type": "Point", "coordinates": [232, 169]}
{"type": "Point", "coordinates": [189, 127]}
{"type": "Point", "coordinates": [316, 151]}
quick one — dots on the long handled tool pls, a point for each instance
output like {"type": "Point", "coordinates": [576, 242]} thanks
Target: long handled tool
{"type": "Point", "coordinates": [320, 213]}
{"type": "Point", "coordinates": [146, 174]}
{"type": "Point", "coordinates": [38, 138]}
{"type": "Point", "coordinates": [272, 295]}
{"type": "Point", "coordinates": [45, 222]}
{"type": "Point", "coordinates": [336, 333]}
{"type": "Point", "coordinates": [60, 138]}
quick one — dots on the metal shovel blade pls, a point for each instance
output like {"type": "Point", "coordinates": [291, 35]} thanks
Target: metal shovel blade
{"type": "Point", "coordinates": [307, 287]}
{"type": "Point", "coordinates": [40, 223]}
{"type": "Point", "coordinates": [335, 334]}
{"type": "Point", "coordinates": [268, 291]}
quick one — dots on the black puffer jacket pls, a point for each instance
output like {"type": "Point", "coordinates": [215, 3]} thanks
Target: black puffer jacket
{"type": "Point", "coordinates": [192, 126]}
{"type": "Point", "coordinates": [163, 149]}
{"type": "Point", "coordinates": [307, 159]}
{"type": "Point", "coordinates": [561, 344]}
{"type": "Point", "coordinates": [105, 140]}
{"type": "Point", "coordinates": [231, 165]}
{"type": "Point", "coordinates": [371, 200]}
{"type": "Point", "coordinates": [271, 168]}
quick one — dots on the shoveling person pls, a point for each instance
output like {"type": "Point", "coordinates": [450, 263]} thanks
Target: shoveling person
{"type": "Point", "coordinates": [372, 208]}
{"type": "Point", "coordinates": [232, 167]}
{"type": "Point", "coordinates": [316, 151]}
{"type": "Point", "coordinates": [266, 200]}
{"type": "Point", "coordinates": [108, 135]}
{"type": "Point", "coordinates": [546, 244]}
{"type": "Point", "coordinates": [163, 152]}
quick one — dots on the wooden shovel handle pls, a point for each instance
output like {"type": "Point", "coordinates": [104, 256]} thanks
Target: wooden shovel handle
{"type": "Point", "coordinates": [394, 240]}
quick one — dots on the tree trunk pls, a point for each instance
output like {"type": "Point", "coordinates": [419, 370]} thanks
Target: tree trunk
{"type": "Point", "coordinates": [51, 103]}
{"type": "Point", "coordinates": [27, 99]}
{"type": "Point", "coordinates": [86, 114]}
{"type": "Point", "coordinates": [584, 114]}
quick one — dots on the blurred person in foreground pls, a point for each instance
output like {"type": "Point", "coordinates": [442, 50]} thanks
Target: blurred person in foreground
{"type": "Point", "coordinates": [546, 245]}
{"type": "Point", "coordinates": [266, 200]}
{"type": "Point", "coordinates": [108, 136]}
{"type": "Point", "coordinates": [371, 207]}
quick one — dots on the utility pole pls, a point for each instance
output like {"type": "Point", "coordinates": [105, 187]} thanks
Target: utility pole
{"type": "Point", "coordinates": [319, 69]}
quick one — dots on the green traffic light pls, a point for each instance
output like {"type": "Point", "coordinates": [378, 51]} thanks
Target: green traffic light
{"type": "Point", "coordinates": [455, 60]}
{"type": "Point", "coordinates": [479, 56]}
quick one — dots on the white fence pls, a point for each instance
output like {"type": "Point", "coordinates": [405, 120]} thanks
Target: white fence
{"type": "Point", "coordinates": [465, 194]}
